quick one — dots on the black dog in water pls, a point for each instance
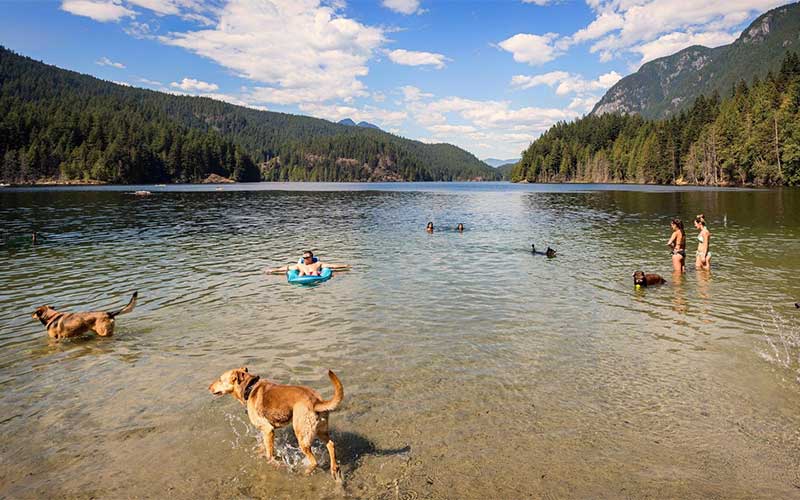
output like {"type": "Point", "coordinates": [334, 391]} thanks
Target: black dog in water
{"type": "Point", "coordinates": [797, 305]}
{"type": "Point", "coordinates": [550, 253]}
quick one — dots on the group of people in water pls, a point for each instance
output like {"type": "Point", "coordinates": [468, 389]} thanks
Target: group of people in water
{"type": "Point", "coordinates": [459, 227]}
{"type": "Point", "coordinates": [311, 266]}
{"type": "Point", "coordinates": [677, 242]}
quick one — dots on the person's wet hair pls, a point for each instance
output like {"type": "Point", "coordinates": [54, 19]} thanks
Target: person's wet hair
{"type": "Point", "coordinates": [460, 227]}
{"type": "Point", "coordinates": [679, 224]}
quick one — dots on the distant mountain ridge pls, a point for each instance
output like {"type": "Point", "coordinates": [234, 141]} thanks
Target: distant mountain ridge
{"type": "Point", "coordinates": [495, 162]}
{"type": "Point", "coordinates": [665, 86]}
{"type": "Point", "coordinates": [351, 123]}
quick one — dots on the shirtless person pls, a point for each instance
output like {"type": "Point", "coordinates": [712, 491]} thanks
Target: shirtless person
{"type": "Point", "coordinates": [309, 267]}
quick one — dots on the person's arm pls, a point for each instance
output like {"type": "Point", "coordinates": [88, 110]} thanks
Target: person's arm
{"type": "Point", "coordinates": [671, 242]}
{"type": "Point", "coordinates": [335, 267]}
{"type": "Point", "coordinates": [280, 270]}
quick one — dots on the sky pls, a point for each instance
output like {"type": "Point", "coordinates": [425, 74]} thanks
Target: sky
{"type": "Point", "coordinates": [488, 76]}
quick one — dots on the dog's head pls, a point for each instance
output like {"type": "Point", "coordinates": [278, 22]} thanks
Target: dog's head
{"type": "Point", "coordinates": [229, 381]}
{"type": "Point", "coordinates": [550, 252]}
{"type": "Point", "coordinates": [639, 278]}
{"type": "Point", "coordinates": [42, 313]}
{"type": "Point", "coordinates": [533, 248]}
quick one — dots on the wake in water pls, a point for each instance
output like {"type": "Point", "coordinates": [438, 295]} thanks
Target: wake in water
{"type": "Point", "coordinates": [783, 343]}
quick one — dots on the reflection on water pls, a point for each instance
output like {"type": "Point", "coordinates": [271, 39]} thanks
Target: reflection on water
{"type": "Point", "coordinates": [472, 369]}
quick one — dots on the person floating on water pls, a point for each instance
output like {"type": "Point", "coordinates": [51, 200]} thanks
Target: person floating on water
{"type": "Point", "coordinates": [703, 258]}
{"type": "Point", "coordinates": [310, 266]}
{"type": "Point", "coordinates": [460, 227]}
{"type": "Point", "coordinates": [429, 227]}
{"type": "Point", "coordinates": [678, 244]}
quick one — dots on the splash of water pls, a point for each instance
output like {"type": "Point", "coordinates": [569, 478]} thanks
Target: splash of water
{"type": "Point", "coordinates": [782, 339]}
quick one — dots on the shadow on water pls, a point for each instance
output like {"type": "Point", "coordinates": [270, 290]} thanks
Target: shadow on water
{"type": "Point", "coordinates": [351, 447]}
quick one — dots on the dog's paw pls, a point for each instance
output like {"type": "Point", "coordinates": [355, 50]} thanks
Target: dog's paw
{"type": "Point", "coordinates": [274, 462]}
{"type": "Point", "coordinates": [336, 474]}
{"type": "Point", "coordinates": [309, 470]}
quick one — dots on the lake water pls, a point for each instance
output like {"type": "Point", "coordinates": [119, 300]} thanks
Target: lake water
{"type": "Point", "coordinates": [472, 369]}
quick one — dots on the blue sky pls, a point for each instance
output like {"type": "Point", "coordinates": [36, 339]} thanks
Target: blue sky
{"type": "Point", "coordinates": [489, 76]}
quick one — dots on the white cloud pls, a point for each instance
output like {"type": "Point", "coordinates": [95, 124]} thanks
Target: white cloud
{"type": "Point", "coordinates": [566, 83]}
{"type": "Point", "coordinates": [673, 42]}
{"type": "Point", "coordinates": [303, 50]}
{"type": "Point", "coordinates": [152, 83]}
{"type": "Point", "coordinates": [415, 58]}
{"type": "Point", "coordinates": [99, 10]}
{"type": "Point", "coordinates": [124, 84]}
{"type": "Point", "coordinates": [190, 84]}
{"type": "Point", "coordinates": [650, 28]}
{"type": "Point", "coordinates": [549, 79]}
{"type": "Point", "coordinates": [531, 49]}
{"type": "Point", "coordinates": [104, 61]}
{"type": "Point", "coordinates": [403, 6]}
{"type": "Point", "coordinates": [411, 93]}
{"type": "Point", "coordinates": [582, 104]}
{"type": "Point", "coordinates": [654, 28]}
{"type": "Point", "coordinates": [538, 2]}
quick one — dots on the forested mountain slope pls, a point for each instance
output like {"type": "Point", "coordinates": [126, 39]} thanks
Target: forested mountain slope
{"type": "Point", "coordinates": [60, 125]}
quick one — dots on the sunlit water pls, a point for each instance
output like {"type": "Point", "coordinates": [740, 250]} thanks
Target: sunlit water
{"type": "Point", "coordinates": [472, 369]}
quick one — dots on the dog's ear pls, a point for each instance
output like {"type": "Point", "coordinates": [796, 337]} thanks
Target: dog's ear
{"type": "Point", "coordinates": [245, 369]}
{"type": "Point", "coordinates": [241, 375]}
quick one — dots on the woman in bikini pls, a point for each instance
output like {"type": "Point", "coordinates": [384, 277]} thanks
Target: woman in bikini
{"type": "Point", "coordinates": [703, 258]}
{"type": "Point", "coordinates": [678, 244]}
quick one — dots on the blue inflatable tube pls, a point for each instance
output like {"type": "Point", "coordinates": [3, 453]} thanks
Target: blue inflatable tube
{"type": "Point", "coordinates": [324, 275]}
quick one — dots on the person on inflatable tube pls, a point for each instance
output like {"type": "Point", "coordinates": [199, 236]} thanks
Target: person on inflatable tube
{"type": "Point", "coordinates": [308, 265]}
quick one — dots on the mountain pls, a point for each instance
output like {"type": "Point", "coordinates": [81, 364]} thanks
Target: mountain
{"type": "Point", "coordinates": [60, 125]}
{"type": "Point", "coordinates": [751, 137]}
{"type": "Point", "coordinates": [494, 162]}
{"type": "Point", "coordinates": [665, 86]}
{"type": "Point", "coordinates": [351, 123]}
{"type": "Point", "coordinates": [505, 170]}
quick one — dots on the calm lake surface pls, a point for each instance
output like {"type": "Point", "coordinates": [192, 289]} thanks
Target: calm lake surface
{"type": "Point", "coordinates": [472, 369]}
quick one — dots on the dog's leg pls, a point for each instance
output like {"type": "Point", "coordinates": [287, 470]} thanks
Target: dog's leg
{"type": "Point", "coordinates": [326, 438]}
{"type": "Point", "coordinates": [269, 445]}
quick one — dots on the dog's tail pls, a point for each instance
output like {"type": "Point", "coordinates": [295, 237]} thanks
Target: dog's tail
{"type": "Point", "coordinates": [338, 395]}
{"type": "Point", "coordinates": [127, 308]}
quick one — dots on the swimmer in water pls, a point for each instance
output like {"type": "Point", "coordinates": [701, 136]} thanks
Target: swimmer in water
{"type": "Point", "coordinates": [460, 227]}
{"type": "Point", "coordinates": [429, 227]}
{"type": "Point", "coordinates": [309, 266]}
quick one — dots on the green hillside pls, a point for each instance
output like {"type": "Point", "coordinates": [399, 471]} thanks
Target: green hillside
{"type": "Point", "coordinates": [60, 125]}
{"type": "Point", "coordinates": [751, 137]}
{"type": "Point", "coordinates": [666, 86]}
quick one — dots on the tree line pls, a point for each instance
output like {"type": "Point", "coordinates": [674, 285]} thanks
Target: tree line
{"type": "Point", "coordinates": [751, 137]}
{"type": "Point", "coordinates": [63, 126]}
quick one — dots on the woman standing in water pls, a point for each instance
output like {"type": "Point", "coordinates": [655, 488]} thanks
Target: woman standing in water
{"type": "Point", "coordinates": [703, 259]}
{"type": "Point", "coordinates": [678, 243]}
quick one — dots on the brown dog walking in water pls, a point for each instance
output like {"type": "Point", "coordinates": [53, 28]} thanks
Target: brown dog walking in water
{"type": "Point", "coordinates": [64, 325]}
{"type": "Point", "coordinates": [271, 406]}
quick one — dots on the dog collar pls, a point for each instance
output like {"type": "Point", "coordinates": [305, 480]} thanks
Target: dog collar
{"type": "Point", "coordinates": [249, 387]}
{"type": "Point", "coordinates": [55, 318]}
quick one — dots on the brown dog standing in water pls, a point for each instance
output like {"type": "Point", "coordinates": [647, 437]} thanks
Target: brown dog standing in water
{"type": "Point", "coordinates": [271, 406]}
{"type": "Point", "coordinates": [63, 325]}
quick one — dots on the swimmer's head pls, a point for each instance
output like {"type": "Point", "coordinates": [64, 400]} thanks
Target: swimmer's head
{"type": "Point", "coordinates": [308, 257]}
{"type": "Point", "coordinates": [460, 227]}
{"type": "Point", "coordinates": [429, 227]}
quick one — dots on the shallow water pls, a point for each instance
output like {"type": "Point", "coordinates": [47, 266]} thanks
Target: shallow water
{"type": "Point", "coordinates": [472, 369]}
